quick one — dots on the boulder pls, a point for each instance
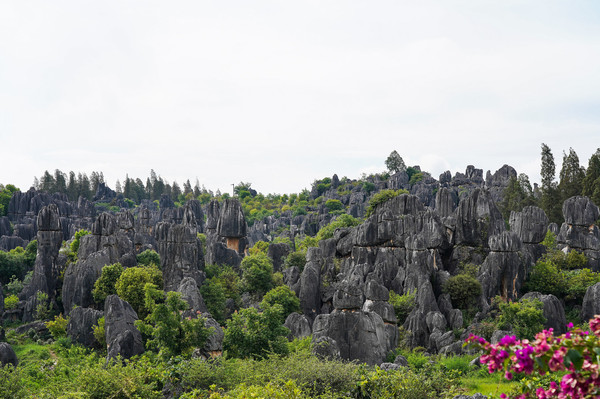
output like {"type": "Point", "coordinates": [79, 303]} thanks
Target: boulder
{"type": "Point", "coordinates": [591, 302]}
{"type": "Point", "coordinates": [7, 355]}
{"type": "Point", "coordinates": [326, 348]}
{"type": "Point", "coordinates": [580, 211]}
{"type": "Point", "coordinates": [79, 280]}
{"type": "Point", "coordinates": [214, 343]}
{"type": "Point", "coordinates": [122, 336]}
{"type": "Point", "coordinates": [503, 271]}
{"type": "Point", "coordinates": [554, 311]}
{"type": "Point", "coordinates": [191, 294]}
{"type": "Point", "coordinates": [358, 335]}
{"type": "Point", "coordinates": [299, 326]}
{"type": "Point", "coordinates": [81, 322]}
{"type": "Point", "coordinates": [277, 253]}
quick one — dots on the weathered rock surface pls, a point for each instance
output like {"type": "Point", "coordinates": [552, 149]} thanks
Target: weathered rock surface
{"type": "Point", "coordinates": [503, 272]}
{"type": "Point", "coordinates": [358, 335]}
{"type": "Point", "coordinates": [298, 325]}
{"type": "Point", "coordinates": [122, 336]}
{"type": "Point", "coordinates": [579, 231]}
{"type": "Point", "coordinates": [477, 219]}
{"type": "Point", "coordinates": [81, 322]}
{"type": "Point", "coordinates": [190, 293]}
{"type": "Point", "coordinates": [7, 355]}
{"type": "Point", "coordinates": [232, 222]}
{"type": "Point", "coordinates": [591, 302]}
{"type": "Point", "coordinates": [180, 254]}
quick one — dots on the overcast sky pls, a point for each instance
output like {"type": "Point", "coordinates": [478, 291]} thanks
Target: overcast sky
{"type": "Point", "coordinates": [279, 93]}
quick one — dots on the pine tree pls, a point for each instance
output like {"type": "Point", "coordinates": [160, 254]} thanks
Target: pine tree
{"type": "Point", "coordinates": [591, 181]}
{"type": "Point", "coordinates": [551, 202]}
{"type": "Point", "coordinates": [571, 176]}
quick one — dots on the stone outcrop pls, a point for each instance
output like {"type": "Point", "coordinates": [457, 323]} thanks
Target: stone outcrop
{"type": "Point", "coordinates": [46, 269]}
{"type": "Point", "coordinates": [122, 336]}
{"type": "Point", "coordinates": [298, 325]}
{"type": "Point", "coordinates": [503, 272]}
{"type": "Point", "coordinates": [108, 243]}
{"type": "Point", "coordinates": [477, 219]}
{"type": "Point", "coordinates": [190, 293]}
{"type": "Point", "coordinates": [7, 355]}
{"type": "Point", "coordinates": [591, 302]}
{"type": "Point", "coordinates": [81, 322]}
{"type": "Point", "coordinates": [579, 231]}
{"type": "Point", "coordinates": [180, 254]}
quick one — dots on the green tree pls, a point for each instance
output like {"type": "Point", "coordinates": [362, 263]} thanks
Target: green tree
{"type": "Point", "coordinates": [6, 194]}
{"type": "Point", "coordinates": [106, 283]}
{"type": "Point", "coordinates": [394, 163]}
{"type": "Point", "coordinates": [130, 286]}
{"type": "Point", "coordinates": [571, 176]}
{"type": "Point", "coordinates": [403, 305]}
{"type": "Point", "coordinates": [257, 273]}
{"type": "Point", "coordinates": [516, 196]}
{"type": "Point", "coordinates": [551, 199]}
{"type": "Point", "coordinates": [74, 247]}
{"type": "Point", "coordinates": [171, 334]}
{"type": "Point", "coordinates": [214, 297]}
{"type": "Point", "coordinates": [284, 296]}
{"type": "Point", "coordinates": [149, 258]}
{"type": "Point", "coordinates": [591, 181]}
{"type": "Point", "coordinates": [382, 197]}
{"type": "Point", "coordinates": [463, 289]}
{"type": "Point", "coordinates": [334, 205]}
{"type": "Point", "coordinates": [251, 333]}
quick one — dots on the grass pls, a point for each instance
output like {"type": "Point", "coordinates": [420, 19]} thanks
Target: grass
{"type": "Point", "coordinates": [493, 384]}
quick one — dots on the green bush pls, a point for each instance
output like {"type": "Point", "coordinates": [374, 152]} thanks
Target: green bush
{"type": "Point", "coordinates": [334, 205]}
{"type": "Point", "coordinates": [341, 221]}
{"type": "Point", "coordinates": [257, 272]}
{"type": "Point", "coordinates": [170, 333]}
{"type": "Point", "coordinates": [254, 334]}
{"type": "Point", "coordinates": [130, 286]}
{"type": "Point", "coordinates": [382, 197]}
{"type": "Point", "coordinates": [11, 302]}
{"type": "Point", "coordinates": [526, 318]}
{"type": "Point", "coordinates": [214, 297]}
{"type": "Point", "coordinates": [403, 305]}
{"type": "Point", "coordinates": [74, 247]}
{"type": "Point", "coordinates": [11, 383]}
{"type": "Point", "coordinates": [284, 296]}
{"type": "Point", "coordinates": [463, 290]}
{"type": "Point", "coordinates": [578, 283]}
{"type": "Point", "coordinates": [14, 263]}
{"type": "Point", "coordinates": [259, 247]}
{"type": "Point", "coordinates": [149, 258]}
{"type": "Point", "coordinates": [105, 285]}
{"type": "Point", "coordinates": [58, 326]}
{"type": "Point", "coordinates": [100, 332]}
{"type": "Point", "coordinates": [297, 259]}
{"type": "Point", "coordinates": [42, 308]}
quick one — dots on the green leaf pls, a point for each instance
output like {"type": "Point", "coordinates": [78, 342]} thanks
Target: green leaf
{"type": "Point", "coordinates": [574, 357]}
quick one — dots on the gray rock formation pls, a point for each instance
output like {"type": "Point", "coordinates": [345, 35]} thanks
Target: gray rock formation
{"type": "Point", "coordinates": [298, 325]}
{"type": "Point", "coordinates": [278, 253]}
{"type": "Point", "coordinates": [214, 344]}
{"type": "Point", "coordinates": [190, 293]}
{"type": "Point", "coordinates": [358, 335]}
{"type": "Point", "coordinates": [122, 336]}
{"type": "Point", "coordinates": [498, 182]}
{"type": "Point", "coordinates": [477, 219]}
{"type": "Point", "coordinates": [81, 322]}
{"type": "Point", "coordinates": [7, 355]}
{"type": "Point", "coordinates": [579, 231]}
{"type": "Point", "coordinates": [503, 272]}
{"type": "Point", "coordinates": [591, 302]}
{"type": "Point", "coordinates": [231, 223]}
{"type": "Point", "coordinates": [180, 254]}
{"type": "Point", "coordinates": [46, 269]}
{"type": "Point", "coordinates": [554, 312]}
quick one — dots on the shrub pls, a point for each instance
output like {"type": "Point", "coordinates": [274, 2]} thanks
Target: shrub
{"type": "Point", "coordinates": [14, 287]}
{"type": "Point", "coordinates": [382, 197]}
{"type": "Point", "coordinates": [105, 285]}
{"type": "Point", "coordinates": [368, 187]}
{"type": "Point", "coordinates": [257, 271]}
{"type": "Point", "coordinates": [149, 258]}
{"type": "Point", "coordinates": [214, 297]}
{"type": "Point", "coordinates": [130, 286]}
{"type": "Point", "coordinates": [578, 283]}
{"type": "Point", "coordinates": [526, 317]}
{"type": "Point", "coordinates": [74, 247]}
{"type": "Point", "coordinates": [341, 221]}
{"type": "Point", "coordinates": [42, 309]}
{"type": "Point", "coordinates": [58, 326]}
{"type": "Point", "coordinates": [251, 333]}
{"type": "Point", "coordinates": [259, 247]}
{"type": "Point", "coordinates": [334, 205]}
{"type": "Point", "coordinates": [170, 333]}
{"type": "Point", "coordinates": [417, 177]}
{"type": "Point", "coordinates": [284, 296]}
{"type": "Point", "coordinates": [11, 383]}
{"type": "Point", "coordinates": [403, 305]}
{"type": "Point", "coordinates": [297, 259]}
{"type": "Point", "coordinates": [100, 332]}
{"type": "Point", "coordinates": [463, 290]}
{"type": "Point", "coordinates": [11, 302]}
{"type": "Point", "coordinates": [546, 278]}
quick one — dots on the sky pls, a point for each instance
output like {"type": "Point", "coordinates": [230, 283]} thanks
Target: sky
{"type": "Point", "coordinates": [280, 93]}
